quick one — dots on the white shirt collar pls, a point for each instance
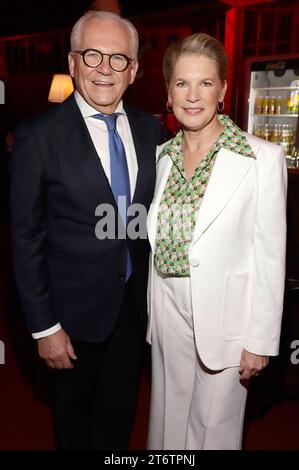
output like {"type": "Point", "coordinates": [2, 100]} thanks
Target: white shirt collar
{"type": "Point", "coordinates": [88, 111]}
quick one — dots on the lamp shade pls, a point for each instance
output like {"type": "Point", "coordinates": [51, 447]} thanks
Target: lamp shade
{"type": "Point", "coordinates": [61, 88]}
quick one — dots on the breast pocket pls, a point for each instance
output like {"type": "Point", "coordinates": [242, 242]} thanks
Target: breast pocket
{"type": "Point", "coordinates": [235, 305]}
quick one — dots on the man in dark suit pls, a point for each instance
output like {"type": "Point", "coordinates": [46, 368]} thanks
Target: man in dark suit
{"type": "Point", "coordinates": [84, 295]}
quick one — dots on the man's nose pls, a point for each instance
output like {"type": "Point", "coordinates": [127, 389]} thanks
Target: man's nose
{"type": "Point", "coordinates": [104, 66]}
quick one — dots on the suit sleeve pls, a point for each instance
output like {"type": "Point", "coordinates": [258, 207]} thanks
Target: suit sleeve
{"type": "Point", "coordinates": [29, 221]}
{"type": "Point", "coordinates": [269, 247]}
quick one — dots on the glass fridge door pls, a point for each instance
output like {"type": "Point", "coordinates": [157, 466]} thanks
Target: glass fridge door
{"type": "Point", "coordinates": [274, 104]}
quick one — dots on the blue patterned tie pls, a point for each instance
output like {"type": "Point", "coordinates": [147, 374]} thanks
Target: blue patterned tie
{"type": "Point", "coordinates": [119, 174]}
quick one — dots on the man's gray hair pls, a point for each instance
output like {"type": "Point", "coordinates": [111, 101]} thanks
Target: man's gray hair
{"type": "Point", "coordinates": [105, 15]}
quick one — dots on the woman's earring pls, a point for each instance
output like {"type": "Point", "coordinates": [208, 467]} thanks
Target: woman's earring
{"type": "Point", "coordinates": [168, 107]}
{"type": "Point", "coordinates": [220, 108]}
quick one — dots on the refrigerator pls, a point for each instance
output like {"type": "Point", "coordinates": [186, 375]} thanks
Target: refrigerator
{"type": "Point", "coordinates": [273, 103]}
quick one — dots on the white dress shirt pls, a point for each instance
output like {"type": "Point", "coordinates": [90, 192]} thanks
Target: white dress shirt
{"type": "Point", "coordinates": [99, 135]}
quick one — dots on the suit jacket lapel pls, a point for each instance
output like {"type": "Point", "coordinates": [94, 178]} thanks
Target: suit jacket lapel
{"type": "Point", "coordinates": [139, 138]}
{"type": "Point", "coordinates": [80, 151]}
{"type": "Point", "coordinates": [163, 170]}
{"type": "Point", "coordinates": [229, 170]}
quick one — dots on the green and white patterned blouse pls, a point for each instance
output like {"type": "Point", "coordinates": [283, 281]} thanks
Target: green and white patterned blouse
{"type": "Point", "coordinates": [182, 198]}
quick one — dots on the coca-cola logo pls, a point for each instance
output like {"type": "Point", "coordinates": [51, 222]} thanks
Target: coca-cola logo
{"type": "Point", "coordinates": [276, 66]}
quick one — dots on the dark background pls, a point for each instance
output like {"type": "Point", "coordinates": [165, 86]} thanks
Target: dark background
{"type": "Point", "coordinates": [28, 16]}
{"type": "Point", "coordinates": [273, 406]}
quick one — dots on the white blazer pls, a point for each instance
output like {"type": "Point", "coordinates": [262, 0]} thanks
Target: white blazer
{"type": "Point", "coordinates": [237, 254]}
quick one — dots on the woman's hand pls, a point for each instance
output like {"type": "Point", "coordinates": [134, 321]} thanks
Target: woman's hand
{"type": "Point", "coordinates": [251, 364]}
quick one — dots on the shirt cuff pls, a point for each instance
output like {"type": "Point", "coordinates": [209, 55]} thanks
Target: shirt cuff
{"type": "Point", "coordinates": [48, 332]}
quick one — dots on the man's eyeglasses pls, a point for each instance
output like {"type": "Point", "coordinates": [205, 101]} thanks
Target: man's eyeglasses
{"type": "Point", "coordinates": [93, 58]}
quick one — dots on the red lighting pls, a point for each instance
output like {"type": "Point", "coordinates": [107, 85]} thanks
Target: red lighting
{"type": "Point", "coordinates": [244, 3]}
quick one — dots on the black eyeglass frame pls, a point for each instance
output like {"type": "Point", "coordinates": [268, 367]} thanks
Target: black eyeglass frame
{"type": "Point", "coordinates": [83, 54]}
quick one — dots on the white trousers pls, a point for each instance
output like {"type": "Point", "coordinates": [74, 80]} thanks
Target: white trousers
{"type": "Point", "coordinates": [192, 407]}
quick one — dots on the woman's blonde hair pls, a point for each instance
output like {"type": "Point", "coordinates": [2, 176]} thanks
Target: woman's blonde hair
{"type": "Point", "coordinates": [196, 44]}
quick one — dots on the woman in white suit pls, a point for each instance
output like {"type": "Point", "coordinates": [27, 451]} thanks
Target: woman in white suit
{"type": "Point", "coordinates": [217, 227]}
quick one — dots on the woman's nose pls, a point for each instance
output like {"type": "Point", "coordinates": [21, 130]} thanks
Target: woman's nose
{"type": "Point", "coordinates": [193, 95]}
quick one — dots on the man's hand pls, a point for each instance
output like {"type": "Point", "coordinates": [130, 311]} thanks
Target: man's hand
{"type": "Point", "coordinates": [57, 350]}
{"type": "Point", "coordinates": [251, 364]}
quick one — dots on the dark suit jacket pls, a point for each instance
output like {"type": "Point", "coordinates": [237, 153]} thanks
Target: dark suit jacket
{"type": "Point", "coordinates": [64, 273]}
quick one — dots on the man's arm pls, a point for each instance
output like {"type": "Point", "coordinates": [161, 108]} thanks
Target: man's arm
{"type": "Point", "coordinates": [29, 222]}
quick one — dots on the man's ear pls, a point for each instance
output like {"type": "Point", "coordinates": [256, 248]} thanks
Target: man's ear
{"type": "Point", "coordinates": [71, 62]}
{"type": "Point", "coordinates": [134, 69]}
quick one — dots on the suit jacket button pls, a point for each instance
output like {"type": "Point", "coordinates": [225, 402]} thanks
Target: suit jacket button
{"type": "Point", "coordinates": [194, 262]}
{"type": "Point", "coordinates": [121, 277]}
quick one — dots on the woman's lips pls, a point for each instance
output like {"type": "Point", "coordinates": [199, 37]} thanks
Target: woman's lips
{"type": "Point", "coordinates": [193, 110]}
